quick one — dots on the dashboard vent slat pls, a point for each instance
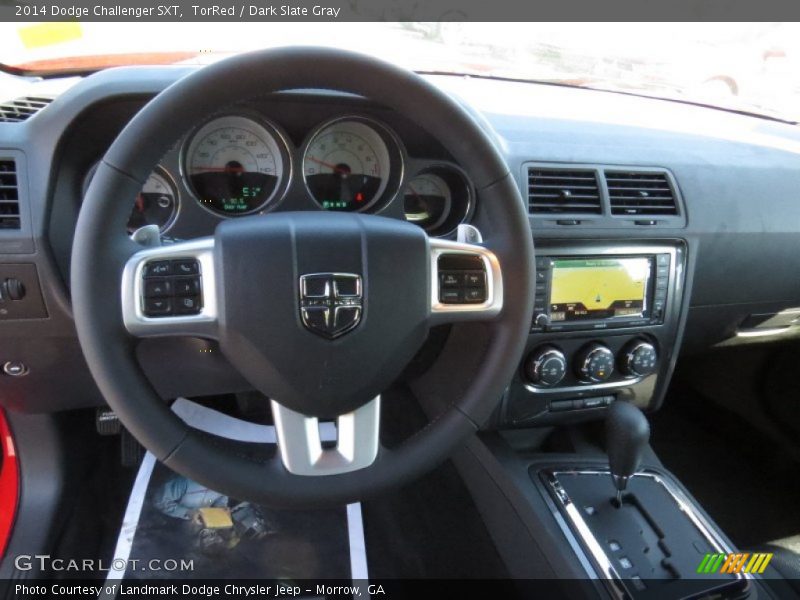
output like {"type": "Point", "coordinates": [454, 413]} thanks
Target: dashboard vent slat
{"type": "Point", "coordinates": [563, 191]}
{"type": "Point", "coordinates": [22, 109]}
{"type": "Point", "coordinates": [634, 193]}
{"type": "Point", "coordinates": [9, 195]}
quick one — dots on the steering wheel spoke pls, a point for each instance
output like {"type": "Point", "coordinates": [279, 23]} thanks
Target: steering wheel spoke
{"type": "Point", "coordinates": [466, 282]}
{"type": "Point", "coordinates": [171, 290]}
{"type": "Point", "coordinates": [300, 442]}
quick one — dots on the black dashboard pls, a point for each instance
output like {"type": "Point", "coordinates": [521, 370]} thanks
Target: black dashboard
{"type": "Point", "coordinates": [613, 181]}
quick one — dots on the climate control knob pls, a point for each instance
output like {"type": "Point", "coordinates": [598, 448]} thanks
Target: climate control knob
{"type": "Point", "coordinates": [638, 358]}
{"type": "Point", "coordinates": [594, 363]}
{"type": "Point", "coordinates": [546, 366]}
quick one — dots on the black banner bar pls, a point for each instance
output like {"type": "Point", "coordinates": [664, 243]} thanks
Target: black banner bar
{"type": "Point", "coordinates": [399, 10]}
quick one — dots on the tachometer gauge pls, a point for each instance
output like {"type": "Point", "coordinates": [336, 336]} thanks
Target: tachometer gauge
{"type": "Point", "coordinates": [234, 165]}
{"type": "Point", "coordinates": [347, 165]}
{"type": "Point", "coordinates": [426, 200]}
{"type": "Point", "coordinates": [156, 204]}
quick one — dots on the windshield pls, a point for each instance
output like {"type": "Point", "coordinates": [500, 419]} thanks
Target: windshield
{"type": "Point", "coordinates": [752, 67]}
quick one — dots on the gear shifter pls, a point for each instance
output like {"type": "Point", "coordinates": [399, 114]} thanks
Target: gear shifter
{"type": "Point", "coordinates": [627, 433]}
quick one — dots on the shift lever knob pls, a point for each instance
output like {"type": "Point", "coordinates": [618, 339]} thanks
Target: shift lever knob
{"type": "Point", "coordinates": [627, 433]}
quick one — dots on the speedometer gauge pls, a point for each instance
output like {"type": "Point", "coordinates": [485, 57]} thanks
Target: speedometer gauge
{"type": "Point", "coordinates": [234, 165]}
{"type": "Point", "coordinates": [346, 165]}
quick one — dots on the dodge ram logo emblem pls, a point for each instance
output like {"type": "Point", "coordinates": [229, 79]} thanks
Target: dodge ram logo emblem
{"type": "Point", "coordinates": [330, 303]}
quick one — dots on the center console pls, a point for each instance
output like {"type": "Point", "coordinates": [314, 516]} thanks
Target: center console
{"type": "Point", "coordinates": [605, 327]}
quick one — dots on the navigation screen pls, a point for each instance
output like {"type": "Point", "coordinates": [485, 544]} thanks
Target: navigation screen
{"type": "Point", "coordinates": [598, 288]}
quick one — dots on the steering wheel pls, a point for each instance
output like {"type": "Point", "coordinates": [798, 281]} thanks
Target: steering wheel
{"type": "Point", "coordinates": [318, 311]}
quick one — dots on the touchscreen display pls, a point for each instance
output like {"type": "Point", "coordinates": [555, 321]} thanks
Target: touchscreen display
{"type": "Point", "coordinates": [599, 288]}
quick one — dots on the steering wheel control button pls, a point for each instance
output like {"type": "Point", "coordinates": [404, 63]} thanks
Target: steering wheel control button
{"type": "Point", "coordinates": [476, 279]}
{"type": "Point", "coordinates": [186, 286]}
{"type": "Point", "coordinates": [187, 305]}
{"type": "Point", "coordinates": [185, 267]}
{"type": "Point", "coordinates": [462, 279]}
{"type": "Point", "coordinates": [330, 303]}
{"type": "Point", "coordinates": [455, 296]}
{"type": "Point", "coordinates": [157, 288]}
{"type": "Point", "coordinates": [546, 366]}
{"type": "Point", "coordinates": [158, 268]}
{"type": "Point", "coordinates": [157, 307]}
{"type": "Point", "coordinates": [15, 368]}
{"type": "Point", "coordinates": [594, 363]}
{"type": "Point", "coordinates": [165, 295]}
{"type": "Point", "coordinates": [451, 280]}
{"type": "Point", "coordinates": [477, 294]}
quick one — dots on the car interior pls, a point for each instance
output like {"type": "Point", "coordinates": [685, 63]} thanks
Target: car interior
{"type": "Point", "coordinates": [536, 333]}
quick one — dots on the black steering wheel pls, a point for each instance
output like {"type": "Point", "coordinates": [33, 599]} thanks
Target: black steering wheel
{"type": "Point", "coordinates": [319, 311]}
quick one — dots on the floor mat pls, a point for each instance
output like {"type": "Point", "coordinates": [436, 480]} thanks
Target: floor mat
{"type": "Point", "coordinates": [171, 518]}
{"type": "Point", "coordinates": [743, 479]}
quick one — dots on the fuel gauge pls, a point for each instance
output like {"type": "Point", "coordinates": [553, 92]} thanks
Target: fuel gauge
{"type": "Point", "coordinates": [426, 201]}
{"type": "Point", "coordinates": [438, 199]}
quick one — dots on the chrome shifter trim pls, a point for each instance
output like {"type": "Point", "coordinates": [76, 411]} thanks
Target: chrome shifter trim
{"type": "Point", "coordinates": [589, 542]}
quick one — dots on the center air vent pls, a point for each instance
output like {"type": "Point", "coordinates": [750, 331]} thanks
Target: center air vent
{"type": "Point", "coordinates": [22, 109]}
{"type": "Point", "coordinates": [561, 191]}
{"type": "Point", "coordinates": [9, 195]}
{"type": "Point", "coordinates": [640, 193]}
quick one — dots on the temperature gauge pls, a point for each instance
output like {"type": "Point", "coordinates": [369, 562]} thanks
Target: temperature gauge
{"type": "Point", "coordinates": [156, 204]}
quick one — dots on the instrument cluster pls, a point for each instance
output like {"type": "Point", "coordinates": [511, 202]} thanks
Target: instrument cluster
{"type": "Point", "coordinates": [241, 163]}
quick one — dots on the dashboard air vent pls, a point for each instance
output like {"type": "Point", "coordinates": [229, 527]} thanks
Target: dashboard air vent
{"type": "Point", "coordinates": [636, 193]}
{"type": "Point", "coordinates": [9, 195]}
{"type": "Point", "coordinates": [22, 109]}
{"type": "Point", "coordinates": [559, 191]}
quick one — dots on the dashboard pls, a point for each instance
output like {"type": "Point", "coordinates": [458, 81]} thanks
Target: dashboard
{"type": "Point", "coordinates": [614, 183]}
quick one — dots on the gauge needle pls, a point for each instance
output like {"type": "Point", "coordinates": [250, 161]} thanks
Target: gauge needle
{"type": "Point", "coordinates": [329, 165]}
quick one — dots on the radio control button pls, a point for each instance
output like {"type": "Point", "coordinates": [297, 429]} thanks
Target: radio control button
{"type": "Point", "coordinates": [594, 363]}
{"type": "Point", "coordinates": [542, 320]}
{"type": "Point", "coordinates": [543, 263]}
